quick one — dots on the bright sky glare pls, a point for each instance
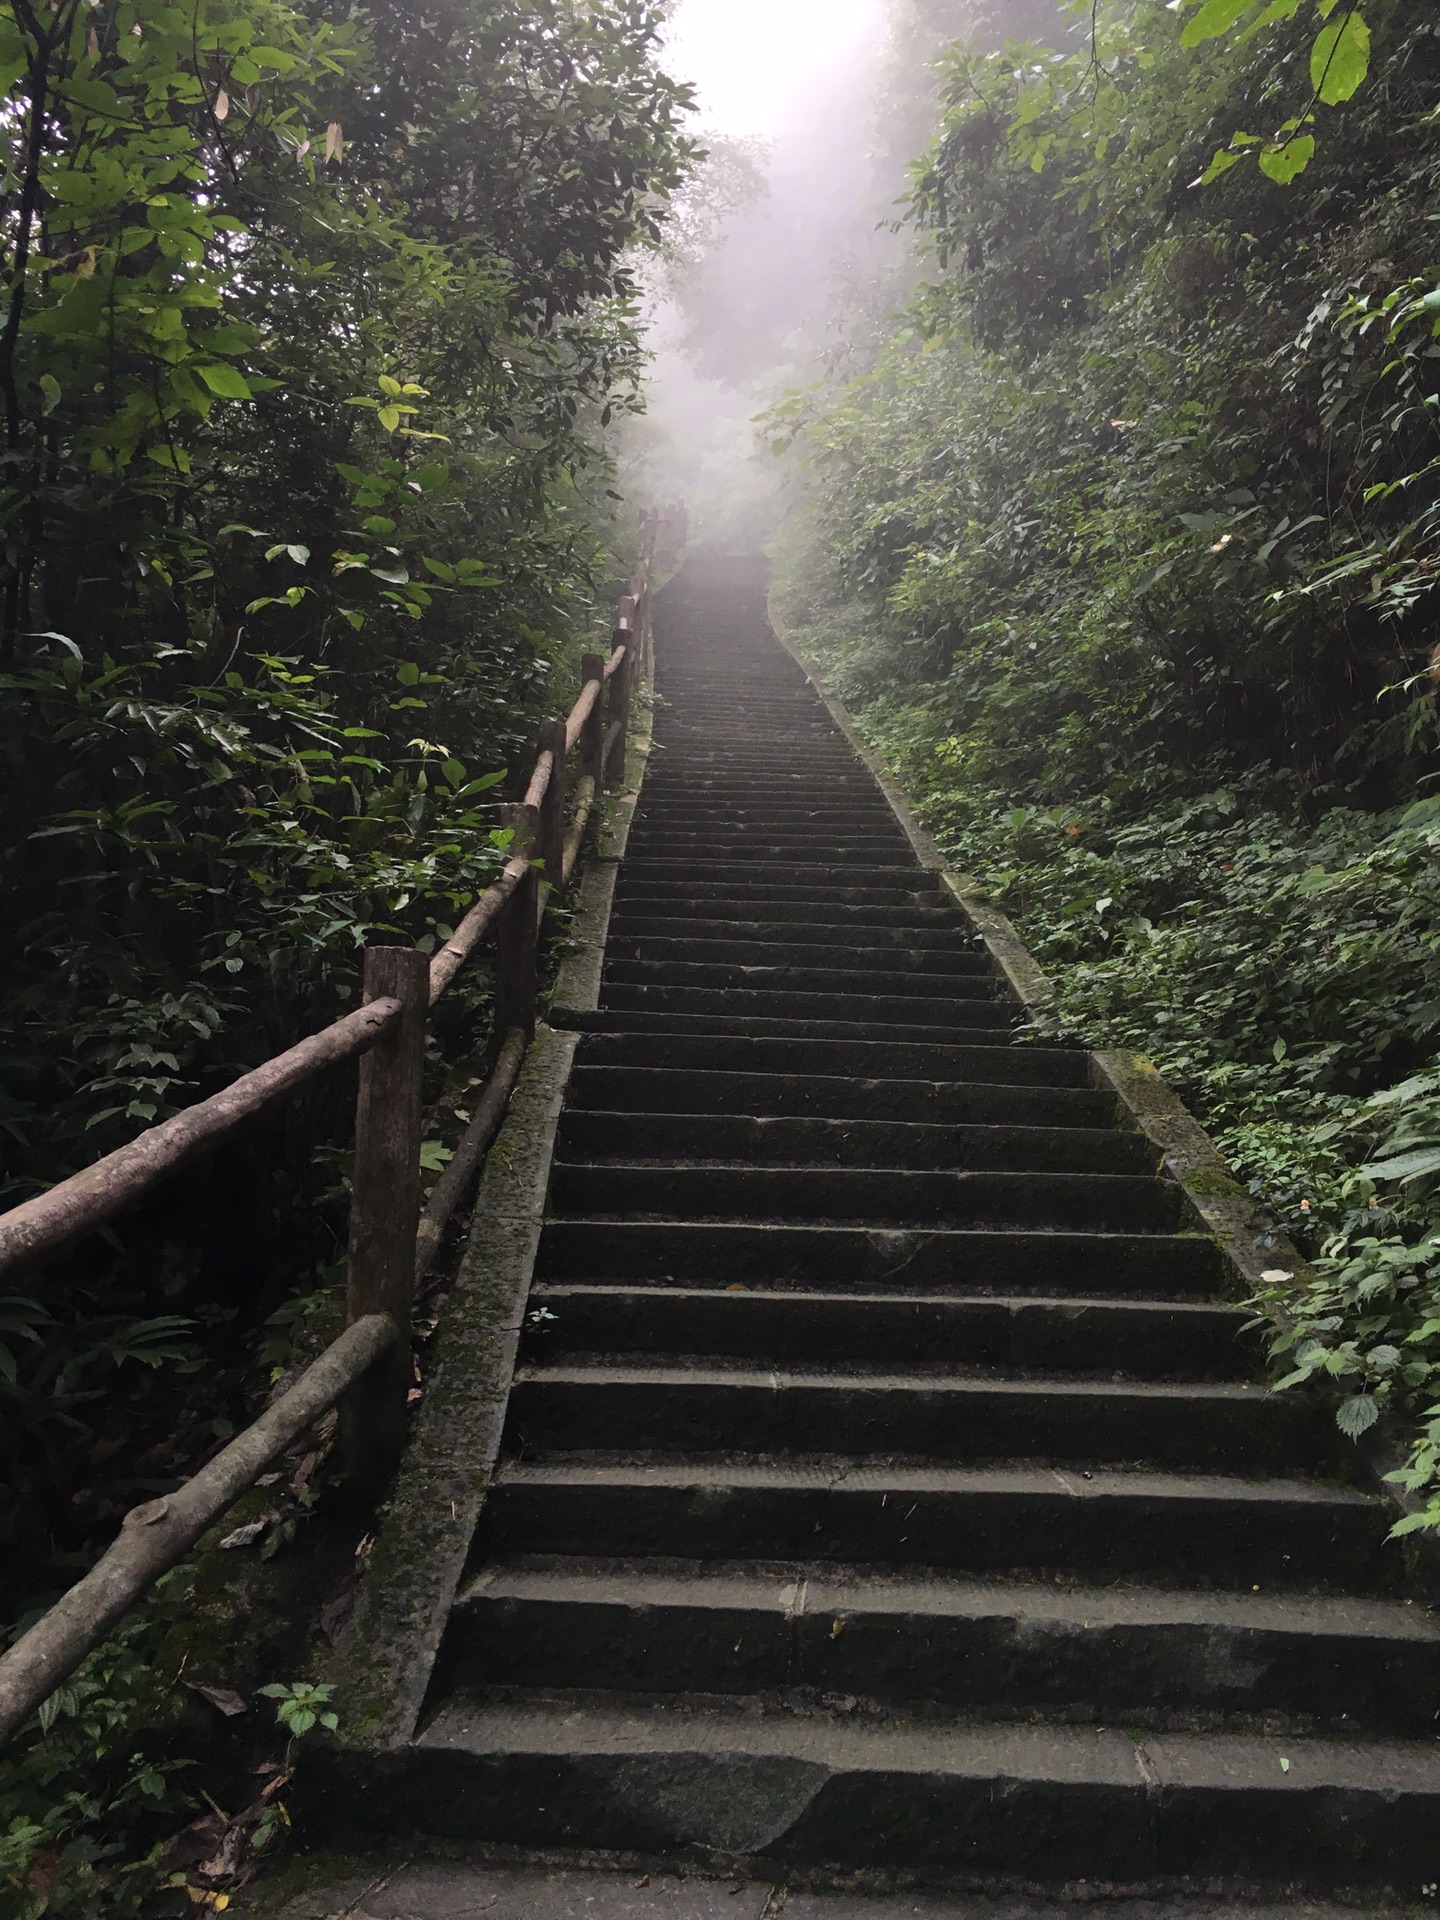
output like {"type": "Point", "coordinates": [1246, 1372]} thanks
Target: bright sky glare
{"type": "Point", "coordinates": [750, 58]}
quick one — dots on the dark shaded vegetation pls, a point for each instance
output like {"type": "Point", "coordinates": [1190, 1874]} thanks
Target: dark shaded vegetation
{"type": "Point", "coordinates": [1126, 542]}
{"type": "Point", "coordinates": [316, 321]}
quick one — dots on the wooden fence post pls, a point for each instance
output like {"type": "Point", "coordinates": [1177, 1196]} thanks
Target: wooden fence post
{"type": "Point", "coordinates": [550, 837]}
{"type": "Point", "coordinates": [384, 1215]}
{"type": "Point", "coordinates": [619, 714]}
{"type": "Point", "coordinates": [592, 736]}
{"type": "Point", "coordinates": [515, 931]}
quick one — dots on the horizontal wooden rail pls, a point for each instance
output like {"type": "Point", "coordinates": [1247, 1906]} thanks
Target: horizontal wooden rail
{"type": "Point", "coordinates": [366, 1372]}
{"type": "Point", "coordinates": [487, 909]}
{"type": "Point", "coordinates": [158, 1535]}
{"type": "Point", "coordinates": [474, 927]}
{"type": "Point", "coordinates": [450, 1188]}
{"type": "Point", "coordinates": [575, 837]}
{"type": "Point", "coordinates": [89, 1198]}
{"type": "Point", "coordinates": [580, 713]}
{"type": "Point", "coordinates": [540, 780]}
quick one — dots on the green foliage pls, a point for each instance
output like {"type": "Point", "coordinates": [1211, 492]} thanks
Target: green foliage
{"type": "Point", "coordinates": [1123, 546]}
{"type": "Point", "coordinates": [1370, 1321]}
{"type": "Point", "coordinates": [1410, 1151]}
{"type": "Point", "coordinates": [300, 1705]}
{"type": "Point", "coordinates": [314, 316]}
{"type": "Point", "coordinates": [84, 1816]}
{"type": "Point", "coordinates": [314, 320]}
{"type": "Point", "coordinates": [1339, 62]}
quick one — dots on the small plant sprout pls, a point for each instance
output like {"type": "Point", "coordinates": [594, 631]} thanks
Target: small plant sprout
{"type": "Point", "coordinates": [299, 1705]}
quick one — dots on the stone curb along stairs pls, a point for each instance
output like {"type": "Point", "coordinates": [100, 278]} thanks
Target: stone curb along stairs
{"type": "Point", "coordinates": [842, 1450]}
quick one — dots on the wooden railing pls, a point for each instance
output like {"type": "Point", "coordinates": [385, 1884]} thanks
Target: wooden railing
{"type": "Point", "coordinates": [367, 1372]}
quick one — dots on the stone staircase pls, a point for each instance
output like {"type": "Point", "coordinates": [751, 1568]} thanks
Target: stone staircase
{"type": "Point", "coordinates": [887, 1481]}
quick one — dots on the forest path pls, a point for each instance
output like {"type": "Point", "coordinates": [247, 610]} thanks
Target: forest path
{"type": "Point", "coordinates": [886, 1482]}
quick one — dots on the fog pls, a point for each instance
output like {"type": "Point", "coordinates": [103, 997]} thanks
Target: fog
{"type": "Point", "coordinates": [784, 263]}
{"type": "Point", "coordinates": [783, 213]}
{"type": "Point", "coordinates": [778, 246]}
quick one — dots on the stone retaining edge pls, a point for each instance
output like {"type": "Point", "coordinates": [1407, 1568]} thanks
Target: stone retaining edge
{"type": "Point", "coordinates": [577, 984]}
{"type": "Point", "coordinates": [425, 1529]}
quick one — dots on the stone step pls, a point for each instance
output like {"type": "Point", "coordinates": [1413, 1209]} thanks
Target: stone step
{"type": "Point", "coordinates": [934, 1058]}
{"type": "Point", "coordinates": [724, 778]}
{"type": "Point", "coordinates": [773, 843]}
{"type": "Point", "coordinates": [1041, 1111]}
{"type": "Point", "coordinates": [656, 1024]}
{"type": "Point", "coordinates": [816, 751]}
{"type": "Point", "coordinates": [939, 936]}
{"type": "Point", "coordinates": [668, 1138]}
{"type": "Point", "coordinates": [954, 966]}
{"type": "Point", "coordinates": [890, 1196]}
{"type": "Point", "coordinates": [714, 825]}
{"type": "Point", "coordinates": [761, 972]}
{"type": "Point", "coordinates": [755, 868]}
{"type": "Point", "coordinates": [862, 1259]}
{"type": "Point", "coordinates": [908, 1006]}
{"type": "Point", "coordinates": [760, 797]}
{"type": "Point", "coordinates": [1140, 1655]}
{"type": "Point", "coordinates": [834, 1788]}
{"type": "Point", "coordinates": [679, 1406]}
{"type": "Point", "coordinates": [1157, 1340]}
{"type": "Point", "coordinates": [740, 818]}
{"type": "Point", "coordinates": [917, 904]}
{"type": "Point", "coordinates": [1112, 1523]}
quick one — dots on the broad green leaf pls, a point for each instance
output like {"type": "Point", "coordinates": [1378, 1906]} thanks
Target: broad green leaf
{"type": "Point", "coordinates": [1214, 18]}
{"type": "Point", "coordinates": [1405, 1166]}
{"type": "Point", "coordinates": [1340, 57]}
{"type": "Point", "coordinates": [1282, 164]}
{"type": "Point", "coordinates": [1357, 1415]}
{"type": "Point", "coordinates": [1413, 1522]}
{"type": "Point", "coordinates": [226, 381]}
{"type": "Point", "coordinates": [1221, 162]}
{"type": "Point", "coordinates": [1270, 16]}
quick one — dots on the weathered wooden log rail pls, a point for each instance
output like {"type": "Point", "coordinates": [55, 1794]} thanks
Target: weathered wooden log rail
{"type": "Point", "coordinates": [367, 1371]}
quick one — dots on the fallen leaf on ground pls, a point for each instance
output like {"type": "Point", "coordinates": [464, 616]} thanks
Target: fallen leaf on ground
{"type": "Point", "coordinates": [225, 1698]}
